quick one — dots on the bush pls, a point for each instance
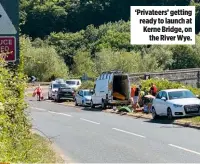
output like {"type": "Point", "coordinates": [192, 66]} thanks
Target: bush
{"type": "Point", "coordinates": [43, 62]}
{"type": "Point", "coordinates": [15, 127]}
{"type": "Point", "coordinates": [87, 85]}
{"type": "Point", "coordinates": [162, 84]}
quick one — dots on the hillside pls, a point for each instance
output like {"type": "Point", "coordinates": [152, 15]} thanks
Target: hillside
{"type": "Point", "coordinates": [83, 36]}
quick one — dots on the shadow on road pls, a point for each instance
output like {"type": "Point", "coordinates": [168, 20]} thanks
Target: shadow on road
{"type": "Point", "coordinates": [91, 109]}
{"type": "Point", "coordinates": [161, 120]}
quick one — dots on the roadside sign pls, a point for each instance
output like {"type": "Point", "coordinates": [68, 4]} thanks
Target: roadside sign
{"type": "Point", "coordinates": [9, 32]}
{"type": "Point", "coordinates": [6, 24]}
{"type": "Point", "coordinates": [8, 47]}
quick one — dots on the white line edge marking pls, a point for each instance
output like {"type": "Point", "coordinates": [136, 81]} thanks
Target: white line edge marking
{"type": "Point", "coordinates": [129, 132]}
{"type": "Point", "coordinates": [188, 150]}
{"type": "Point", "coordinates": [64, 114]}
{"type": "Point", "coordinates": [90, 121]}
{"type": "Point", "coordinates": [41, 109]}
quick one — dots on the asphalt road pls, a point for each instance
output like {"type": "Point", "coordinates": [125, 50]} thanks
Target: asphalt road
{"type": "Point", "coordinates": [87, 136]}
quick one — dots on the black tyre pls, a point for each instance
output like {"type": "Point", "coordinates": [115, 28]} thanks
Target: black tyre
{"type": "Point", "coordinates": [154, 114]}
{"type": "Point", "coordinates": [76, 104]}
{"type": "Point", "coordinates": [103, 104]}
{"type": "Point", "coordinates": [92, 105]}
{"type": "Point", "coordinates": [49, 97]}
{"type": "Point", "coordinates": [169, 114]}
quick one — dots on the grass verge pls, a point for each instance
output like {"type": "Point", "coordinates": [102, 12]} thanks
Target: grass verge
{"type": "Point", "coordinates": [42, 151]}
{"type": "Point", "coordinates": [192, 120]}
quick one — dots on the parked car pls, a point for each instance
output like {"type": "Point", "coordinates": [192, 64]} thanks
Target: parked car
{"type": "Point", "coordinates": [53, 88]}
{"type": "Point", "coordinates": [83, 97]}
{"type": "Point", "coordinates": [111, 89]}
{"type": "Point", "coordinates": [74, 84]}
{"type": "Point", "coordinates": [175, 103]}
{"type": "Point", "coordinates": [64, 93]}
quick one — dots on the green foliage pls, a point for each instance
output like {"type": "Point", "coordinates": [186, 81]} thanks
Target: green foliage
{"type": "Point", "coordinates": [43, 62]}
{"type": "Point", "coordinates": [184, 57]}
{"type": "Point", "coordinates": [104, 42]}
{"type": "Point", "coordinates": [15, 134]}
{"type": "Point", "coordinates": [87, 85]}
{"type": "Point", "coordinates": [162, 84]}
{"type": "Point", "coordinates": [83, 64]}
{"type": "Point", "coordinates": [72, 16]}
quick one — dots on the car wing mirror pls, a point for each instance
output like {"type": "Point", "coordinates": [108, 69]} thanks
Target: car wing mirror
{"type": "Point", "coordinates": [163, 98]}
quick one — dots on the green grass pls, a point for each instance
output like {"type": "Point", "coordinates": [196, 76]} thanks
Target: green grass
{"type": "Point", "coordinates": [193, 120]}
{"type": "Point", "coordinates": [42, 151]}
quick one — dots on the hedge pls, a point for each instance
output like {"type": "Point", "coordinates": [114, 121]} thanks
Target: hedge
{"type": "Point", "coordinates": [162, 84]}
{"type": "Point", "coordinates": [15, 134]}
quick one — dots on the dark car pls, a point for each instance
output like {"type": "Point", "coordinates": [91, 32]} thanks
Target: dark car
{"type": "Point", "coordinates": [64, 93]}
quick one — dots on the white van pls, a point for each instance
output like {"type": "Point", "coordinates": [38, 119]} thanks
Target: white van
{"type": "Point", "coordinates": [74, 83]}
{"type": "Point", "coordinates": [108, 84]}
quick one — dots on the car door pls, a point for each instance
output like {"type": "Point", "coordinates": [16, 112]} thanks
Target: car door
{"type": "Point", "coordinates": [163, 104]}
{"type": "Point", "coordinates": [79, 99]}
{"type": "Point", "coordinates": [157, 103]}
{"type": "Point", "coordinates": [81, 96]}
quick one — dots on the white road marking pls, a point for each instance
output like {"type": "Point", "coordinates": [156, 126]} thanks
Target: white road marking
{"type": "Point", "coordinates": [64, 114]}
{"type": "Point", "coordinates": [129, 133]}
{"type": "Point", "coordinates": [90, 121]}
{"type": "Point", "coordinates": [188, 150]}
{"type": "Point", "coordinates": [41, 109]}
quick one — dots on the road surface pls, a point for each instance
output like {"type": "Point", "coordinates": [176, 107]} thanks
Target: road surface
{"type": "Point", "coordinates": [87, 136]}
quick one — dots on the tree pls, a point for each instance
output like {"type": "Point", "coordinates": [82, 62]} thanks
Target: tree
{"type": "Point", "coordinates": [184, 57]}
{"type": "Point", "coordinates": [43, 62]}
{"type": "Point", "coordinates": [83, 64]}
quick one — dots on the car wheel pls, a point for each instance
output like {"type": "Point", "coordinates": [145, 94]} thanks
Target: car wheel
{"type": "Point", "coordinates": [154, 114]}
{"type": "Point", "coordinates": [49, 98]}
{"type": "Point", "coordinates": [76, 104]}
{"type": "Point", "coordinates": [169, 114]}
{"type": "Point", "coordinates": [58, 99]}
{"type": "Point", "coordinates": [92, 105]}
{"type": "Point", "coordinates": [82, 103]}
{"type": "Point", "coordinates": [103, 105]}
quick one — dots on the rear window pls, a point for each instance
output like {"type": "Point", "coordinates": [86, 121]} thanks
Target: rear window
{"type": "Point", "coordinates": [71, 82]}
{"type": "Point", "coordinates": [87, 93]}
{"type": "Point", "coordinates": [59, 85]}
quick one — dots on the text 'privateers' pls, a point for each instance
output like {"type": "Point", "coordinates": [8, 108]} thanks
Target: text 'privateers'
{"type": "Point", "coordinates": [162, 25]}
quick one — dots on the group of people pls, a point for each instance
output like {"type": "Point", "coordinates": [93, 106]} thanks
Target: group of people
{"type": "Point", "coordinates": [137, 94]}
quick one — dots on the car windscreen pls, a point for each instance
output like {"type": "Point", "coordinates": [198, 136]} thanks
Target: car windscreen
{"type": "Point", "coordinates": [59, 85]}
{"type": "Point", "coordinates": [71, 82]}
{"type": "Point", "coordinates": [180, 95]}
{"type": "Point", "coordinates": [87, 93]}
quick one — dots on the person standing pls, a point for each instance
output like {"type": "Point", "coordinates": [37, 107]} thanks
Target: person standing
{"type": "Point", "coordinates": [132, 95]}
{"type": "Point", "coordinates": [153, 89]}
{"type": "Point", "coordinates": [38, 92]}
{"type": "Point", "coordinates": [136, 96]}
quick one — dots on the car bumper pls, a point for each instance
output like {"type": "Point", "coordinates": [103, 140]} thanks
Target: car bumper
{"type": "Point", "coordinates": [66, 96]}
{"type": "Point", "coordinates": [88, 102]}
{"type": "Point", "coordinates": [181, 112]}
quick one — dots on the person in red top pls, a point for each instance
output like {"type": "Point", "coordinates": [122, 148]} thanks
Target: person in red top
{"type": "Point", "coordinates": [153, 89]}
{"type": "Point", "coordinates": [38, 92]}
{"type": "Point", "coordinates": [132, 94]}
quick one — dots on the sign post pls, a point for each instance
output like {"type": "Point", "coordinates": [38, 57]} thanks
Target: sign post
{"type": "Point", "coordinates": [9, 30]}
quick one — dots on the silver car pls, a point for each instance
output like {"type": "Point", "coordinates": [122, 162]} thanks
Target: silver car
{"type": "Point", "coordinates": [53, 88]}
